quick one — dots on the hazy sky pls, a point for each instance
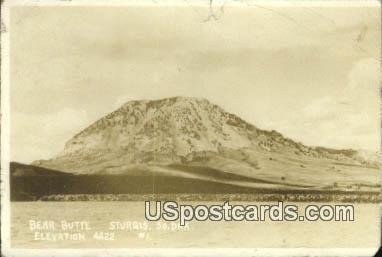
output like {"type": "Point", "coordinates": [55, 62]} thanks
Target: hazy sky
{"type": "Point", "coordinates": [310, 73]}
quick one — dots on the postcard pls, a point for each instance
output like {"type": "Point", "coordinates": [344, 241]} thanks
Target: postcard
{"type": "Point", "coordinates": [190, 128]}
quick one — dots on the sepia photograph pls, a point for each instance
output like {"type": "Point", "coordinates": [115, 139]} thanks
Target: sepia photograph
{"type": "Point", "coordinates": [191, 128]}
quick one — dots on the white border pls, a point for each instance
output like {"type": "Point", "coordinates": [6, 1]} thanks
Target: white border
{"type": "Point", "coordinates": [186, 3]}
{"type": "Point", "coordinates": [195, 252]}
{"type": "Point", "coordinates": [5, 130]}
{"type": "Point", "coordinates": [6, 249]}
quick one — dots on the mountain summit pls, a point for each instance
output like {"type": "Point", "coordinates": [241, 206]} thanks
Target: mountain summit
{"type": "Point", "coordinates": [171, 127]}
{"type": "Point", "coordinates": [173, 134]}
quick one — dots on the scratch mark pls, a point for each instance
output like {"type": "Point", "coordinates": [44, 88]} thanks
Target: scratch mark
{"type": "Point", "coordinates": [212, 14]}
{"type": "Point", "coordinates": [360, 38]}
{"type": "Point", "coordinates": [281, 14]}
{"type": "Point", "coordinates": [362, 34]}
{"type": "Point", "coordinates": [223, 6]}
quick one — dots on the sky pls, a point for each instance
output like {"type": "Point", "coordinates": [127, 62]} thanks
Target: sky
{"type": "Point", "coordinates": [311, 73]}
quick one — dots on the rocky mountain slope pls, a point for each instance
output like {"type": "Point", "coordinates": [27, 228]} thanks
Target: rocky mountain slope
{"type": "Point", "coordinates": [170, 135]}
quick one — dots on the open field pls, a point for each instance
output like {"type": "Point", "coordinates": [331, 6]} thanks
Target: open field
{"type": "Point", "coordinates": [363, 232]}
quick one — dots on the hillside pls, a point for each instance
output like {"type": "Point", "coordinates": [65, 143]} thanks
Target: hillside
{"type": "Point", "coordinates": [175, 136]}
{"type": "Point", "coordinates": [20, 170]}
